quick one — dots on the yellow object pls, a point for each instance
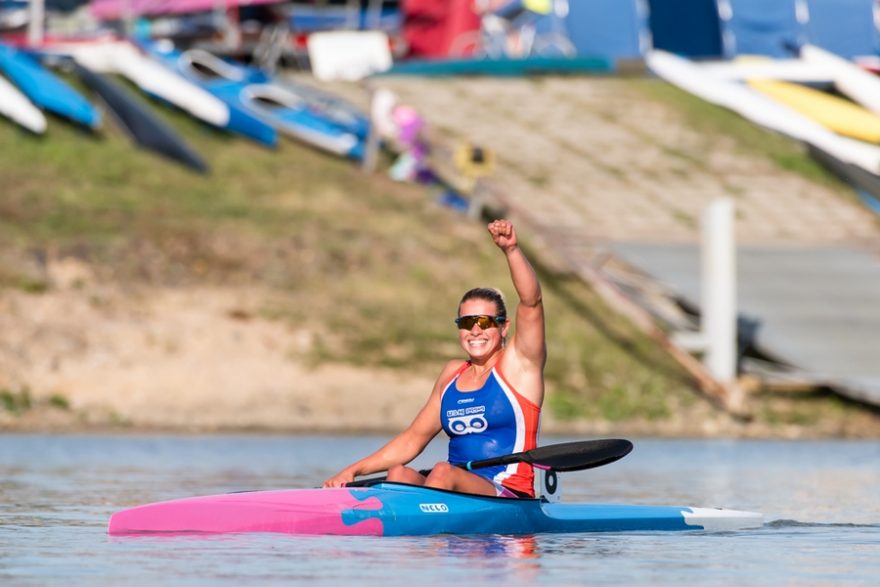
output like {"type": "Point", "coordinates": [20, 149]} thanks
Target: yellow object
{"type": "Point", "coordinates": [838, 114]}
{"type": "Point", "coordinates": [539, 6]}
{"type": "Point", "coordinates": [473, 161]}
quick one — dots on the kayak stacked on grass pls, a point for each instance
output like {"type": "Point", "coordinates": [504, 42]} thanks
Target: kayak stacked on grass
{"type": "Point", "coordinates": [761, 109]}
{"type": "Point", "coordinates": [46, 90]}
{"type": "Point", "coordinates": [259, 99]}
{"type": "Point", "coordinates": [110, 56]}
{"type": "Point", "coordinates": [91, 61]}
{"type": "Point", "coordinates": [145, 127]}
{"type": "Point", "coordinates": [16, 106]}
{"type": "Point", "coordinates": [394, 509]}
{"type": "Point", "coordinates": [226, 95]}
{"type": "Point", "coordinates": [841, 130]}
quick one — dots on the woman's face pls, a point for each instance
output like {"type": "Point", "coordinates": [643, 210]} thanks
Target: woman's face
{"type": "Point", "coordinates": [476, 342]}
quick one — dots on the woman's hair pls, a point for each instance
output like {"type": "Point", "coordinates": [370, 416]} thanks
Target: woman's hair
{"type": "Point", "coordinates": [490, 294]}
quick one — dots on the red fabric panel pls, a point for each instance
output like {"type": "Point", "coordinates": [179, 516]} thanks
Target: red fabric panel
{"type": "Point", "coordinates": [431, 26]}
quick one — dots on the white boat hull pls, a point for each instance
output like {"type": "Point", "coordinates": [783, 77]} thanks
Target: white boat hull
{"type": "Point", "coordinates": [761, 109]}
{"type": "Point", "coordinates": [122, 58]}
{"type": "Point", "coordinates": [16, 106]}
{"type": "Point", "coordinates": [859, 85]}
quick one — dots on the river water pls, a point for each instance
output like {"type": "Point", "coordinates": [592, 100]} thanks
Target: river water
{"type": "Point", "coordinates": [821, 501]}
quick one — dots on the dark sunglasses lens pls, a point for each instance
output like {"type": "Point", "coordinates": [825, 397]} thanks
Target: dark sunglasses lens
{"type": "Point", "coordinates": [484, 322]}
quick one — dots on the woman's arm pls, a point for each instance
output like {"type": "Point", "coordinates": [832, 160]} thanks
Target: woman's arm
{"type": "Point", "coordinates": [528, 342]}
{"type": "Point", "coordinates": [407, 445]}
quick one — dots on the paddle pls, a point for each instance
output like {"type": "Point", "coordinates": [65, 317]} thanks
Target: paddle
{"type": "Point", "coordinates": [567, 456]}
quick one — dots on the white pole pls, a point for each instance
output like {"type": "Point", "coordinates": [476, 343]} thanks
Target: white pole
{"type": "Point", "coordinates": [36, 14]}
{"type": "Point", "coordinates": [719, 290]}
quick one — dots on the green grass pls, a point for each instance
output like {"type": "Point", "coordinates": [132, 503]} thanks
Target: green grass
{"type": "Point", "coordinates": [19, 401]}
{"type": "Point", "coordinates": [15, 402]}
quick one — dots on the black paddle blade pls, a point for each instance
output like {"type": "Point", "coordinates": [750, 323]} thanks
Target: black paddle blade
{"type": "Point", "coordinates": [567, 456]}
{"type": "Point", "coordinates": [578, 456]}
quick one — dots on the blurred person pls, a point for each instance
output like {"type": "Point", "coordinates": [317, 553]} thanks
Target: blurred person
{"type": "Point", "coordinates": [489, 404]}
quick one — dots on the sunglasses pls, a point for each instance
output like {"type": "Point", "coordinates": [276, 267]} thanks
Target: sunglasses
{"type": "Point", "coordinates": [484, 321]}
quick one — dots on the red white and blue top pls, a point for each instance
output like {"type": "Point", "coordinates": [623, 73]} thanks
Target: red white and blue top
{"type": "Point", "coordinates": [491, 421]}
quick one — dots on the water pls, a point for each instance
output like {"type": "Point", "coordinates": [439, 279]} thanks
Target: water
{"type": "Point", "coordinates": [821, 501]}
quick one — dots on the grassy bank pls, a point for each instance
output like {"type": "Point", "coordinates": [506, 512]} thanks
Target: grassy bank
{"type": "Point", "coordinates": [372, 268]}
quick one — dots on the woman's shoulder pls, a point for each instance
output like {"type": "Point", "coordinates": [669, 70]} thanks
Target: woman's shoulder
{"type": "Point", "coordinates": [453, 366]}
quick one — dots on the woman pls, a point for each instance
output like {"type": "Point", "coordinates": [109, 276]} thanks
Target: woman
{"type": "Point", "coordinates": [490, 404]}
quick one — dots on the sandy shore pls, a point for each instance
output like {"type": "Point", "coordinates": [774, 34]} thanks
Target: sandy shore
{"type": "Point", "coordinates": [95, 357]}
{"type": "Point", "coordinates": [198, 359]}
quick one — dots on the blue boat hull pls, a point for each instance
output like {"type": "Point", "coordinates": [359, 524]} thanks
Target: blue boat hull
{"type": "Point", "coordinates": [322, 105]}
{"type": "Point", "coordinates": [392, 509]}
{"type": "Point", "coordinates": [46, 90]}
{"type": "Point", "coordinates": [241, 120]}
{"type": "Point", "coordinates": [258, 102]}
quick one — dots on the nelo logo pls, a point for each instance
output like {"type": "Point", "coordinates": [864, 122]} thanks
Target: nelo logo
{"type": "Point", "coordinates": [434, 508]}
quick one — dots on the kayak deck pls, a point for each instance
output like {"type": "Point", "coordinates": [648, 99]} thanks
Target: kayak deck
{"type": "Point", "coordinates": [393, 509]}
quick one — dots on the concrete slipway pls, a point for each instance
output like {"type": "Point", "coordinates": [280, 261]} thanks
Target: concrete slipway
{"type": "Point", "coordinates": [817, 309]}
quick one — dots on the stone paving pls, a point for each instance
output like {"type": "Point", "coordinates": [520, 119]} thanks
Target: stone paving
{"type": "Point", "coordinates": [594, 155]}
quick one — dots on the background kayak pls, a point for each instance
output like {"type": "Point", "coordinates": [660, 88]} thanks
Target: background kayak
{"type": "Point", "coordinates": [45, 89]}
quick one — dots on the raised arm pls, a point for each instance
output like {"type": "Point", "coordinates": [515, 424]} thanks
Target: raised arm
{"type": "Point", "coordinates": [528, 342]}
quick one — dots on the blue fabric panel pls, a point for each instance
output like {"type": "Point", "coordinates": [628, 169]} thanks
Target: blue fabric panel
{"type": "Point", "coordinates": [686, 27]}
{"type": "Point", "coordinates": [760, 27]}
{"type": "Point", "coordinates": [845, 27]}
{"type": "Point", "coordinates": [608, 28]}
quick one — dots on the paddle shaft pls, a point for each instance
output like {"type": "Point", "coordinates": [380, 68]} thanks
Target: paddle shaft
{"type": "Point", "coordinates": [567, 456]}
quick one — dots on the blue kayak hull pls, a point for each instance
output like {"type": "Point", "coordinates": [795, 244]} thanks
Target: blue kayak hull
{"type": "Point", "coordinates": [260, 103]}
{"type": "Point", "coordinates": [45, 89]}
{"type": "Point", "coordinates": [241, 120]}
{"type": "Point", "coordinates": [392, 509]}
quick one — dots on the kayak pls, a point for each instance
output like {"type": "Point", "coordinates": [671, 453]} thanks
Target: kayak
{"type": "Point", "coordinates": [837, 114]}
{"type": "Point", "coordinates": [755, 106]}
{"type": "Point", "coordinates": [255, 95]}
{"type": "Point", "coordinates": [16, 106]}
{"type": "Point", "coordinates": [123, 58]}
{"type": "Point", "coordinates": [396, 509]}
{"type": "Point", "coordinates": [145, 127]}
{"type": "Point", "coordinates": [45, 89]}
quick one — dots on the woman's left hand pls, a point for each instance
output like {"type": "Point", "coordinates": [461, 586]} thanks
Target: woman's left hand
{"type": "Point", "coordinates": [503, 234]}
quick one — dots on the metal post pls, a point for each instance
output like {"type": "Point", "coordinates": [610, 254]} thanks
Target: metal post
{"type": "Point", "coordinates": [379, 102]}
{"type": "Point", "coordinates": [37, 13]}
{"type": "Point", "coordinates": [719, 290]}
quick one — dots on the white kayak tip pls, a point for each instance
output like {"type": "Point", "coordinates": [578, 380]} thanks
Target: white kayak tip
{"type": "Point", "coordinates": [721, 519]}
